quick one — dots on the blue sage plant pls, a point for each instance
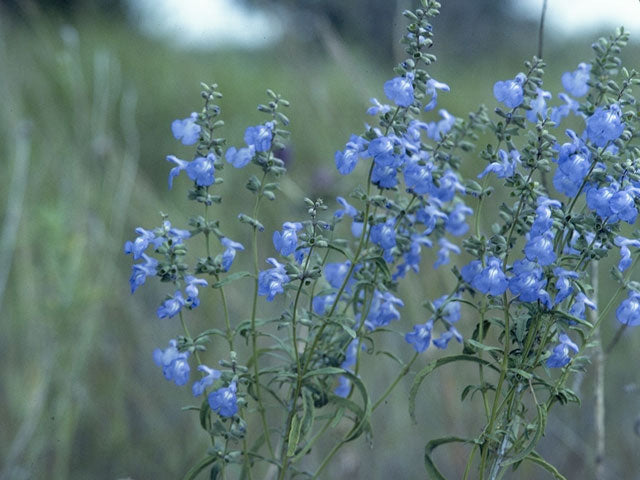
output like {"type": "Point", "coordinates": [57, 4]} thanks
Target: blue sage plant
{"type": "Point", "coordinates": [523, 308]}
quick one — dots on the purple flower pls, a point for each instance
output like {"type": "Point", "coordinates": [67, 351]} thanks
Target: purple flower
{"type": "Point", "coordinates": [538, 105]}
{"type": "Point", "coordinates": [224, 400]}
{"type": "Point", "coordinates": [287, 241]}
{"type": "Point", "coordinates": [443, 341]}
{"type": "Point", "coordinates": [560, 356]}
{"type": "Point", "coordinates": [446, 247]}
{"type": "Point", "coordinates": [175, 365]}
{"type": "Point", "coordinates": [510, 92]}
{"type": "Point", "coordinates": [259, 137]}
{"type": "Point", "coordinates": [628, 313]}
{"type": "Point", "coordinates": [141, 271]}
{"type": "Point", "coordinates": [456, 224]}
{"type": "Point", "coordinates": [230, 252]}
{"type": "Point", "coordinates": [540, 248]}
{"type": "Point", "coordinates": [605, 125]}
{"type": "Point", "coordinates": [506, 167]}
{"type": "Point", "coordinates": [205, 382]}
{"type": "Point", "coordinates": [400, 90]}
{"type": "Point", "coordinates": [172, 306]}
{"type": "Point", "coordinates": [186, 130]}
{"type": "Point", "coordinates": [625, 253]}
{"type": "Point", "coordinates": [192, 290]}
{"type": "Point", "coordinates": [420, 337]}
{"type": "Point", "coordinates": [271, 282]}
{"type": "Point", "coordinates": [432, 89]}
{"type": "Point", "coordinates": [575, 82]}
{"type": "Point", "coordinates": [240, 158]}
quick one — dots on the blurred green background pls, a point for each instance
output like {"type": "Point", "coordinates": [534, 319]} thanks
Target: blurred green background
{"type": "Point", "coordinates": [87, 100]}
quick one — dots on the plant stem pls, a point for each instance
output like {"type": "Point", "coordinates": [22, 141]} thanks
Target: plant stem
{"type": "Point", "coordinates": [390, 388]}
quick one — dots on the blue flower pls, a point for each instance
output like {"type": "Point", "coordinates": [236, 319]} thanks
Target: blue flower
{"type": "Point", "coordinates": [141, 271]}
{"type": "Point", "coordinates": [140, 244]}
{"type": "Point", "coordinates": [335, 274]}
{"type": "Point", "coordinates": [171, 306]}
{"type": "Point", "coordinates": [543, 221]}
{"type": "Point", "coordinates": [510, 92]}
{"type": "Point", "coordinates": [205, 382]}
{"type": "Point", "coordinates": [400, 90]}
{"type": "Point", "coordinates": [560, 356]}
{"type": "Point", "coordinates": [562, 111]}
{"type": "Point", "coordinates": [437, 130]}
{"type": "Point", "coordinates": [343, 388]}
{"type": "Point", "coordinates": [175, 365]}
{"type": "Point", "coordinates": [443, 341]}
{"type": "Point", "coordinates": [175, 171]}
{"type": "Point", "coordinates": [420, 337]}
{"type": "Point", "coordinates": [605, 125]}
{"type": "Point", "coordinates": [456, 224]}
{"type": "Point", "coordinates": [598, 200]}
{"type": "Point", "coordinates": [300, 253]}
{"type": "Point", "coordinates": [429, 215]}
{"type": "Point", "coordinates": [445, 187]}
{"type": "Point", "coordinates": [623, 205]}
{"type": "Point", "coordinates": [201, 170]}
{"type": "Point", "coordinates": [625, 253]}
{"type": "Point", "coordinates": [384, 234]}
{"type": "Point", "coordinates": [240, 158]}
{"type": "Point", "coordinates": [506, 167]}
{"type": "Point", "coordinates": [186, 130]}
{"type": "Point", "coordinates": [540, 248]}
{"type": "Point", "coordinates": [579, 305]}
{"type": "Point", "coordinates": [446, 247]}
{"type": "Point", "coordinates": [575, 82]}
{"type": "Point", "coordinates": [192, 290]}
{"type": "Point", "coordinates": [489, 280]}
{"type": "Point", "coordinates": [628, 313]}
{"type": "Point", "coordinates": [412, 256]}
{"type": "Point", "coordinates": [432, 89]}
{"type": "Point", "coordinates": [230, 252]}
{"type": "Point", "coordinates": [259, 137]}
{"type": "Point", "coordinates": [224, 400]}
{"type": "Point", "coordinates": [287, 241]}
{"type": "Point", "coordinates": [382, 151]}
{"type": "Point", "coordinates": [563, 284]}
{"type": "Point", "coordinates": [271, 282]}
{"type": "Point", "coordinates": [528, 283]}
{"type": "Point", "coordinates": [417, 177]}
{"type": "Point", "coordinates": [347, 209]}
{"type": "Point", "coordinates": [378, 108]}
{"type": "Point", "coordinates": [451, 310]}
{"type": "Point", "coordinates": [574, 162]}
{"type": "Point", "coordinates": [321, 303]}
{"type": "Point", "coordinates": [347, 160]}
{"type": "Point", "coordinates": [383, 310]}
{"type": "Point", "coordinates": [538, 105]}
{"type": "Point", "coordinates": [384, 177]}
{"type": "Point", "coordinates": [412, 138]}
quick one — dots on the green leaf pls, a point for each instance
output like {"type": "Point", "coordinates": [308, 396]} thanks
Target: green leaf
{"type": "Point", "coordinates": [199, 467]}
{"type": "Point", "coordinates": [215, 471]}
{"type": "Point", "coordinates": [294, 435]}
{"type": "Point", "coordinates": [482, 346]}
{"type": "Point", "coordinates": [325, 371]}
{"type": "Point", "coordinates": [231, 278]}
{"type": "Point", "coordinates": [541, 423]}
{"type": "Point", "coordinates": [537, 459]}
{"type": "Point", "coordinates": [204, 414]}
{"type": "Point", "coordinates": [422, 374]}
{"type": "Point", "coordinates": [432, 470]}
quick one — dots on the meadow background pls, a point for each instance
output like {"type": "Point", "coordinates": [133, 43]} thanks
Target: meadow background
{"type": "Point", "coordinates": [87, 99]}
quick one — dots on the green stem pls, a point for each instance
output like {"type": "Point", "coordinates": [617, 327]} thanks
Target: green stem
{"type": "Point", "coordinates": [390, 388]}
